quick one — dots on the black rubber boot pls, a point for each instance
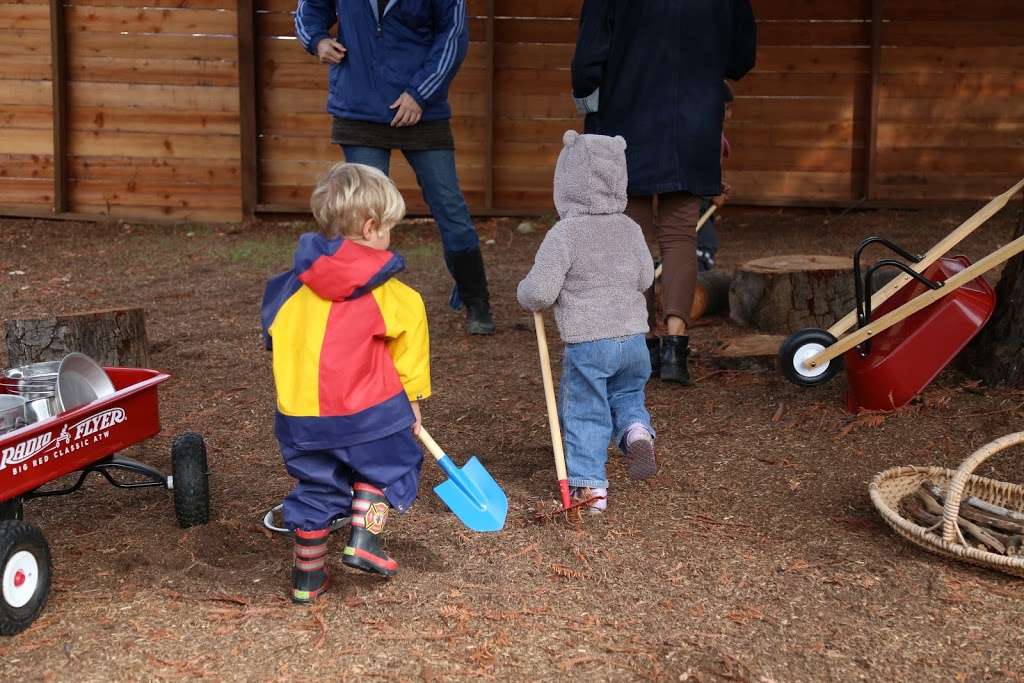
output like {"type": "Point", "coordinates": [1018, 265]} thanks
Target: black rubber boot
{"type": "Point", "coordinates": [369, 515]}
{"type": "Point", "coordinates": [654, 348]}
{"type": "Point", "coordinates": [674, 351]}
{"type": "Point", "coordinates": [309, 575]}
{"type": "Point", "coordinates": [470, 277]}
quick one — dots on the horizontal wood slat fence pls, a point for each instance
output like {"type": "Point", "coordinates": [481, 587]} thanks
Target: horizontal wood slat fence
{"type": "Point", "coordinates": [210, 109]}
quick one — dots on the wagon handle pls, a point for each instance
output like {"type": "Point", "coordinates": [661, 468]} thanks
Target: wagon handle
{"type": "Point", "coordinates": [951, 510]}
{"type": "Point", "coordinates": [864, 302]}
{"type": "Point", "coordinates": [864, 307]}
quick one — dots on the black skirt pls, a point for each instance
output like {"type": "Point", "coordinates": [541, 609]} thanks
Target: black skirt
{"type": "Point", "coordinates": [424, 135]}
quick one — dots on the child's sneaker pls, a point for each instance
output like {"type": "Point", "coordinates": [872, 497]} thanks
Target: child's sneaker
{"type": "Point", "coordinates": [640, 460]}
{"type": "Point", "coordinates": [598, 498]}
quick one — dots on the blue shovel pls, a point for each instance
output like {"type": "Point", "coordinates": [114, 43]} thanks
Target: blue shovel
{"type": "Point", "coordinates": [470, 491]}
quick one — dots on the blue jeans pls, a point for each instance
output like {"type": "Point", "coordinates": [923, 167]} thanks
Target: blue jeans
{"type": "Point", "coordinates": [601, 397]}
{"type": "Point", "coordinates": [435, 173]}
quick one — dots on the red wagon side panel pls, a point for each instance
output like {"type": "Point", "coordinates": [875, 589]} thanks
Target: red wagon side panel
{"type": "Point", "coordinates": [906, 357]}
{"type": "Point", "coordinates": [47, 450]}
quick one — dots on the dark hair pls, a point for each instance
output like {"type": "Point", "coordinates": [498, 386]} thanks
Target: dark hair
{"type": "Point", "coordinates": [726, 92]}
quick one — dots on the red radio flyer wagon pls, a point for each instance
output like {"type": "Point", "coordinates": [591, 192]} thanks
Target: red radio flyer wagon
{"type": "Point", "coordinates": [85, 439]}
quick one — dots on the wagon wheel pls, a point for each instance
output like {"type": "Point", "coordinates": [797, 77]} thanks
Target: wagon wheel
{"type": "Point", "coordinates": [24, 575]}
{"type": "Point", "coordinates": [190, 480]}
{"type": "Point", "coordinates": [801, 346]}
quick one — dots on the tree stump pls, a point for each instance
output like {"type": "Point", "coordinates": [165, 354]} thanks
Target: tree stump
{"type": "Point", "coordinates": [111, 337]}
{"type": "Point", "coordinates": [712, 293]}
{"type": "Point", "coordinates": [782, 294]}
{"type": "Point", "coordinates": [996, 355]}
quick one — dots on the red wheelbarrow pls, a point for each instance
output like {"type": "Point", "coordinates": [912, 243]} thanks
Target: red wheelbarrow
{"type": "Point", "coordinates": [84, 439]}
{"type": "Point", "coordinates": [910, 328]}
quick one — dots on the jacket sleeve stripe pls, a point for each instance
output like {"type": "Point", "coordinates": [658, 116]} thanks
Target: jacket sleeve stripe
{"type": "Point", "coordinates": [431, 84]}
{"type": "Point", "coordinates": [300, 29]}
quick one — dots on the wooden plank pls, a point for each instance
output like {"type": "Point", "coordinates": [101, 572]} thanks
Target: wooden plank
{"type": "Point", "coordinates": [26, 141]}
{"type": "Point", "coordinates": [24, 43]}
{"type": "Point", "coordinates": [34, 17]}
{"type": "Point", "coordinates": [544, 31]}
{"type": "Point", "coordinates": [528, 105]}
{"type": "Point", "coordinates": [953, 10]}
{"type": "Point", "coordinates": [87, 203]}
{"type": "Point", "coordinates": [156, 97]}
{"type": "Point", "coordinates": [780, 109]}
{"type": "Point", "coordinates": [951, 85]}
{"type": "Point", "coordinates": [26, 192]}
{"type": "Point", "coordinates": [59, 89]}
{"type": "Point", "coordinates": [123, 118]}
{"type": "Point", "coordinates": [760, 84]}
{"type": "Point", "coordinates": [217, 172]}
{"type": "Point", "coordinates": [248, 106]}
{"type": "Point", "coordinates": [874, 96]}
{"type": "Point", "coordinates": [951, 162]}
{"type": "Point", "coordinates": [908, 186]}
{"type": "Point", "coordinates": [947, 33]}
{"type": "Point", "coordinates": [133, 192]}
{"type": "Point", "coordinates": [527, 56]}
{"type": "Point", "coordinates": [144, 20]}
{"type": "Point", "coordinates": [490, 103]}
{"type": "Point", "coordinates": [950, 134]}
{"type": "Point", "coordinates": [815, 60]}
{"type": "Point", "coordinates": [822, 33]}
{"type": "Point", "coordinates": [933, 109]}
{"type": "Point", "coordinates": [173, 4]}
{"type": "Point", "coordinates": [178, 145]}
{"type": "Point", "coordinates": [756, 185]}
{"type": "Point", "coordinates": [157, 71]}
{"type": "Point", "coordinates": [776, 10]}
{"type": "Point", "coordinates": [38, 166]}
{"type": "Point", "coordinates": [26, 92]}
{"type": "Point", "coordinates": [538, 8]}
{"type": "Point", "coordinates": [843, 134]}
{"type": "Point", "coordinates": [1003, 59]}
{"type": "Point", "coordinates": [149, 46]}
{"type": "Point", "coordinates": [25, 67]}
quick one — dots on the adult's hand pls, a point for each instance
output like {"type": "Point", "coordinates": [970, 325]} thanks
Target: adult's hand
{"type": "Point", "coordinates": [330, 51]}
{"type": "Point", "coordinates": [409, 111]}
{"type": "Point", "coordinates": [722, 198]}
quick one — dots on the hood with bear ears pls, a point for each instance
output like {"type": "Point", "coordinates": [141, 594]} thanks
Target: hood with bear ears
{"type": "Point", "coordinates": [590, 176]}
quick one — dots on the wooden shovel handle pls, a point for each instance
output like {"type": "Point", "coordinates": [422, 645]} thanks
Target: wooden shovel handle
{"type": "Point", "coordinates": [549, 395]}
{"type": "Point", "coordinates": [705, 217]}
{"type": "Point", "coordinates": [431, 445]}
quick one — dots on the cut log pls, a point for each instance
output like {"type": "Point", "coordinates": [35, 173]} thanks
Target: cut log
{"type": "Point", "coordinates": [782, 294]}
{"type": "Point", "coordinates": [111, 337]}
{"type": "Point", "coordinates": [752, 352]}
{"type": "Point", "coordinates": [712, 293]}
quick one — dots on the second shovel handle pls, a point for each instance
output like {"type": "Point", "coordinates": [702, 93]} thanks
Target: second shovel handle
{"type": "Point", "coordinates": [431, 445]}
{"type": "Point", "coordinates": [549, 395]}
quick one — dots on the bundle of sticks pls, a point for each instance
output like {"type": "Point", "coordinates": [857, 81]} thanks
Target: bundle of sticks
{"type": "Point", "coordinates": [983, 525]}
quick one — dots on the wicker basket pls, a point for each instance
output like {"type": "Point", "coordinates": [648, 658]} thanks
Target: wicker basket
{"type": "Point", "coordinates": [891, 486]}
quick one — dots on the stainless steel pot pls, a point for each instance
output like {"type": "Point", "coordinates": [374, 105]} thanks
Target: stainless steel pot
{"type": "Point", "coordinates": [80, 380]}
{"type": "Point", "coordinates": [12, 412]}
{"type": "Point", "coordinates": [41, 408]}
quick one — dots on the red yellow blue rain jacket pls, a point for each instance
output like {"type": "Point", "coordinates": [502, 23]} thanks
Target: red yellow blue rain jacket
{"type": "Point", "coordinates": [349, 342]}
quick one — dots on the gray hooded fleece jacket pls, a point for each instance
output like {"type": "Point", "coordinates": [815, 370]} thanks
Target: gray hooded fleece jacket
{"type": "Point", "coordinates": [594, 265]}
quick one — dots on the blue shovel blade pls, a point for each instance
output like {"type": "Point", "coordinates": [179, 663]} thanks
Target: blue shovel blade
{"type": "Point", "coordinates": [472, 495]}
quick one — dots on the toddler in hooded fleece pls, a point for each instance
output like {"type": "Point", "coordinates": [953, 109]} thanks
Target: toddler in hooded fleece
{"type": "Point", "coordinates": [594, 267]}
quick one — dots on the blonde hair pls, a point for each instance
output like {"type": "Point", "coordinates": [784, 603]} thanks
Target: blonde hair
{"type": "Point", "coordinates": [349, 194]}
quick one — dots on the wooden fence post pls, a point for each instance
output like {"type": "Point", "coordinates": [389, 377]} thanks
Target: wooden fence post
{"type": "Point", "coordinates": [59, 87]}
{"type": "Point", "coordinates": [489, 128]}
{"type": "Point", "coordinates": [876, 69]}
{"type": "Point", "coordinates": [247, 109]}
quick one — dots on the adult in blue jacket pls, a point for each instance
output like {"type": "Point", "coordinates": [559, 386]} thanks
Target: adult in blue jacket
{"type": "Point", "coordinates": [390, 67]}
{"type": "Point", "coordinates": [652, 72]}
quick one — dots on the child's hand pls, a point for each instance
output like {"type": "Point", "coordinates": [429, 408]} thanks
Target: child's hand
{"type": "Point", "coordinates": [722, 198]}
{"type": "Point", "coordinates": [419, 419]}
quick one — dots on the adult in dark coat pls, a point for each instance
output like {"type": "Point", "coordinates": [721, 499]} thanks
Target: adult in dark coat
{"type": "Point", "coordinates": [652, 71]}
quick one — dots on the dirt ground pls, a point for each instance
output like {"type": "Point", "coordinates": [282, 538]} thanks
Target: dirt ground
{"type": "Point", "coordinates": [755, 554]}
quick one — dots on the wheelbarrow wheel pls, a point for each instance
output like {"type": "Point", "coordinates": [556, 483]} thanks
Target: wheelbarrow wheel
{"type": "Point", "coordinates": [24, 573]}
{"type": "Point", "coordinates": [802, 345]}
{"type": "Point", "coordinates": [191, 480]}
